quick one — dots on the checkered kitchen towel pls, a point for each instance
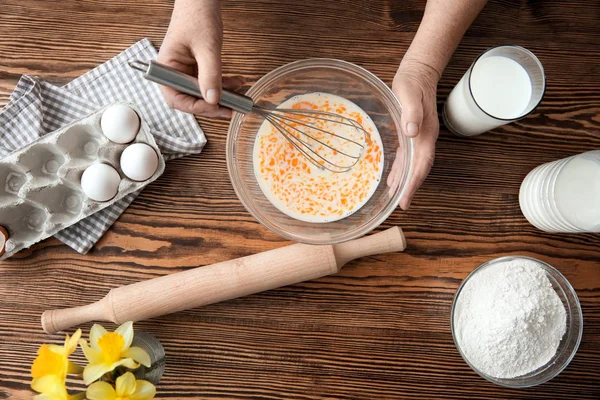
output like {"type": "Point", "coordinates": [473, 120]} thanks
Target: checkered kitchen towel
{"type": "Point", "coordinates": [36, 108]}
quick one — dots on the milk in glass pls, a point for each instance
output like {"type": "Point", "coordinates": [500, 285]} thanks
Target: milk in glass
{"type": "Point", "coordinates": [500, 89]}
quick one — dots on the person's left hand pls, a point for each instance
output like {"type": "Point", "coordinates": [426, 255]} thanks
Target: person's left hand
{"type": "Point", "coordinates": [415, 85]}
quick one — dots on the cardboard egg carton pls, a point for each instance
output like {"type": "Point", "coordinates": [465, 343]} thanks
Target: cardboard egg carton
{"type": "Point", "coordinates": [40, 191]}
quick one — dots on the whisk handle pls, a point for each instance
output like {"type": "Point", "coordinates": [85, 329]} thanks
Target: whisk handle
{"type": "Point", "coordinates": [167, 76]}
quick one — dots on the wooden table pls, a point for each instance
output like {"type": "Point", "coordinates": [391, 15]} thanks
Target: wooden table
{"type": "Point", "coordinates": [380, 329]}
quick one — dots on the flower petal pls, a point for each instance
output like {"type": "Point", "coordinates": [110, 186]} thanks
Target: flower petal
{"type": "Point", "coordinates": [96, 332]}
{"type": "Point", "coordinates": [125, 385]}
{"type": "Point", "coordinates": [138, 354]}
{"type": "Point", "coordinates": [93, 372]}
{"type": "Point", "coordinates": [47, 384]}
{"type": "Point", "coordinates": [57, 349]}
{"type": "Point", "coordinates": [144, 390]}
{"type": "Point", "coordinates": [126, 330]}
{"type": "Point", "coordinates": [48, 362]}
{"type": "Point", "coordinates": [74, 368]}
{"type": "Point", "coordinates": [78, 396]}
{"type": "Point", "coordinates": [101, 391]}
{"type": "Point", "coordinates": [129, 363]}
{"type": "Point", "coordinates": [71, 342]}
{"type": "Point", "coordinates": [94, 356]}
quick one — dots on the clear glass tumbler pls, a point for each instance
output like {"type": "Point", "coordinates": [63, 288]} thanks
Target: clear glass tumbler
{"type": "Point", "coordinates": [564, 195]}
{"type": "Point", "coordinates": [503, 85]}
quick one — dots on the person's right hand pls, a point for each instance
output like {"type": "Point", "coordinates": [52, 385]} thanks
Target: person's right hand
{"type": "Point", "coordinates": [193, 45]}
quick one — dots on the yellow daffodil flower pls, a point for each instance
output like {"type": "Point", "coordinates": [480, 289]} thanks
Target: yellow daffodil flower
{"type": "Point", "coordinates": [108, 350]}
{"type": "Point", "coordinates": [50, 369]}
{"type": "Point", "coordinates": [58, 391]}
{"type": "Point", "coordinates": [126, 388]}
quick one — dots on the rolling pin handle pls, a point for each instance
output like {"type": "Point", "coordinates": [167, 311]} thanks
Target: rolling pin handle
{"type": "Point", "coordinates": [54, 321]}
{"type": "Point", "coordinates": [388, 241]}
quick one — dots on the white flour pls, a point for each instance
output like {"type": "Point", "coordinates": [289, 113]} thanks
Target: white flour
{"type": "Point", "coordinates": [508, 320]}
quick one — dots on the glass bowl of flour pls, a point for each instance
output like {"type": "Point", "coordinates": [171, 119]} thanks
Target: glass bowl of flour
{"type": "Point", "coordinates": [516, 321]}
{"type": "Point", "coordinates": [288, 194]}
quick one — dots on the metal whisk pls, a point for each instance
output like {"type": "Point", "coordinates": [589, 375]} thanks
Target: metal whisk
{"type": "Point", "coordinates": [303, 128]}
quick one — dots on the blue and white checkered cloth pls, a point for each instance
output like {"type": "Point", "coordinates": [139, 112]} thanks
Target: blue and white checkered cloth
{"type": "Point", "coordinates": [36, 108]}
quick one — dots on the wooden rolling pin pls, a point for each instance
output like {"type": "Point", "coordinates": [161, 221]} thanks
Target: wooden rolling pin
{"type": "Point", "coordinates": [223, 281]}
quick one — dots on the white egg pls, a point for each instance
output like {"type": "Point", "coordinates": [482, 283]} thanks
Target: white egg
{"type": "Point", "coordinates": [3, 239]}
{"type": "Point", "coordinates": [100, 182]}
{"type": "Point", "coordinates": [120, 124]}
{"type": "Point", "coordinates": [139, 162]}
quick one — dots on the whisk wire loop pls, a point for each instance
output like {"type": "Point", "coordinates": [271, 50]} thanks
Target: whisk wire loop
{"type": "Point", "coordinates": [350, 122]}
{"type": "Point", "coordinates": [286, 121]}
{"type": "Point", "coordinates": [292, 137]}
{"type": "Point", "coordinates": [306, 154]}
{"type": "Point", "coordinates": [281, 117]}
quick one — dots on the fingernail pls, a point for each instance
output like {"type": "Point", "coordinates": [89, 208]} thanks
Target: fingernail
{"type": "Point", "coordinates": [412, 129]}
{"type": "Point", "coordinates": [212, 96]}
{"type": "Point", "coordinates": [407, 205]}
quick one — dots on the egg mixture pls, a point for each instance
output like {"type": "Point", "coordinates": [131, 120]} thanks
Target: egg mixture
{"type": "Point", "coordinates": [304, 191]}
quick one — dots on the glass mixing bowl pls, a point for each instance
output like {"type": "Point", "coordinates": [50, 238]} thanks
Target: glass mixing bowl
{"type": "Point", "coordinates": [568, 345]}
{"type": "Point", "coordinates": [342, 79]}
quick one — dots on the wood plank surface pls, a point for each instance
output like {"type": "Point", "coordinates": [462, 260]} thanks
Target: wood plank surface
{"type": "Point", "coordinates": [380, 329]}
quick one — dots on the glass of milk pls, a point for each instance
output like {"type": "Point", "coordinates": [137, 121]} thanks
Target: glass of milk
{"type": "Point", "coordinates": [564, 195]}
{"type": "Point", "coordinates": [504, 84]}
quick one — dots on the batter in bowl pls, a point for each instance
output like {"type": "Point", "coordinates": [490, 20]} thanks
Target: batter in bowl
{"type": "Point", "coordinates": [303, 191]}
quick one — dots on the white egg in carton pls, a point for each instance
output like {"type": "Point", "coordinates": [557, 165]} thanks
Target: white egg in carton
{"type": "Point", "coordinates": [74, 172]}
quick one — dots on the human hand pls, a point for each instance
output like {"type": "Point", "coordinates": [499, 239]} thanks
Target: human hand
{"type": "Point", "coordinates": [193, 45]}
{"type": "Point", "coordinates": [415, 85]}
